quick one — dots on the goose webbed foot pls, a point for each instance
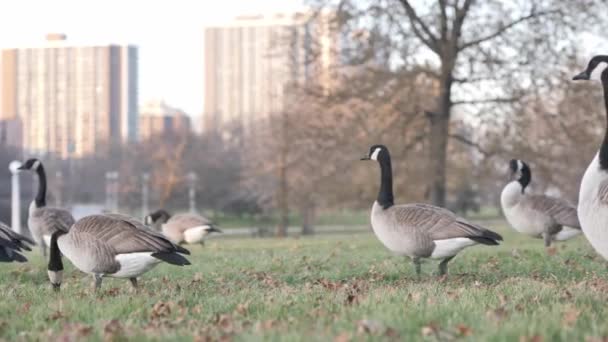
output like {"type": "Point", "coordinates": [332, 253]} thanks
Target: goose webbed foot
{"type": "Point", "coordinates": [443, 266]}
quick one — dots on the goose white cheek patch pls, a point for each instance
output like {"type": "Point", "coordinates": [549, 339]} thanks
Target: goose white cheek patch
{"type": "Point", "coordinates": [375, 154]}
{"type": "Point", "coordinates": [597, 72]}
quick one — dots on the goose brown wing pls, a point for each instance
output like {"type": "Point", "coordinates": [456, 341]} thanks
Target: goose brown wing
{"type": "Point", "coordinates": [126, 235]}
{"type": "Point", "coordinates": [55, 219]}
{"type": "Point", "coordinates": [561, 211]}
{"type": "Point", "coordinates": [185, 221]}
{"type": "Point", "coordinates": [439, 223]}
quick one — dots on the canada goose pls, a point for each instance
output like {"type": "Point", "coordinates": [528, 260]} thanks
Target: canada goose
{"type": "Point", "coordinates": [593, 194]}
{"type": "Point", "coordinates": [539, 216]}
{"type": "Point", "coordinates": [420, 230]}
{"type": "Point", "coordinates": [184, 227]}
{"type": "Point", "coordinates": [111, 245]}
{"type": "Point", "coordinates": [43, 221]}
{"type": "Point", "coordinates": [11, 244]}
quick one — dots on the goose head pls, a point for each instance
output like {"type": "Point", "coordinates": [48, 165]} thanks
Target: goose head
{"type": "Point", "coordinates": [378, 153]}
{"type": "Point", "coordinates": [31, 164]}
{"type": "Point", "coordinates": [159, 216]}
{"type": "Point", "coordinates": [212, 229]}
{"type": "Point", "coordinates": [520, 171]}
{"type": "Point", "coordinates": [593, 64]}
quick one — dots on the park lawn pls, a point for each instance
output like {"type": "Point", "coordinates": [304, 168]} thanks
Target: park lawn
{"type": "Point", "coordinates": [340, 287]}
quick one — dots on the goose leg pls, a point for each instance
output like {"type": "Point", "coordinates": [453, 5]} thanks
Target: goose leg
{"type": "Point", "coordinates": [98, 280]}
{"type": "Point", "coordinates": [134, 282]}
{"type": "Point", "coordinates": [547, 239]}
{"type": "Point", "coordinates": [443, 265]}
{"type": "Point", "coordinates": [416, 262]}
{"type": "Point", "coordinates": [43, 249]}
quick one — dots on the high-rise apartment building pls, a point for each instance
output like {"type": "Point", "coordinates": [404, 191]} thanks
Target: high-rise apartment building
{"type": "Point", "coordinates": [251, 63]}
{"type": "Point", "coordinates": [70, 100]}
{"type": "Point", "coordinates": [156, 118]}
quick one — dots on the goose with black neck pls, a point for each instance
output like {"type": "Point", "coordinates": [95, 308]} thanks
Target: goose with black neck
{"type": "Point", "coordinates": [420, 230]}
{"type": "Point", "coordinates": [111, 245]}
{"type": "Point", "coordinates": [43, 221]}
{"type": "Point", "coordinates": [593, 193]}
{"type": "Point", "coordinates": [539, 216]}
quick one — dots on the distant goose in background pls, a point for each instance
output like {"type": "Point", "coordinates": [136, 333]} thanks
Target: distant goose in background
{"type": "Point", "coordinates": [420, 230]}
{"type": "Point", "coordinates": [11, 244]}
{"type": "Point", "coordinates": [593, 194]}
{"type": "Point", "coordinates": [539, 216]}
{"type": "Point", "coordinates": [111, 245]}
{"type": "Point", "coordinates": [43, 221]}
{"type": "Point", "coordinates": [184, 227]}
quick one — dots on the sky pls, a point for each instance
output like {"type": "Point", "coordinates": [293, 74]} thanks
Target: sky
{"type": "Point", "coordinates": [169, 34]}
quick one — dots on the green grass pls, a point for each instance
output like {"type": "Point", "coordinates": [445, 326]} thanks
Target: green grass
{"type": "Point", "coordinates": [344, 286]}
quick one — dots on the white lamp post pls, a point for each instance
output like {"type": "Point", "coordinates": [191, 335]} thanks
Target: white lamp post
{"type": "Point", "coordinates": [15, 196]}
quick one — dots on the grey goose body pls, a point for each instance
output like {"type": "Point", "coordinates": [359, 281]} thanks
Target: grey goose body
{"type": "Point", "coordinates": [12, 245]}
{"type": "Point", "coordinates": [420, 230]}
{"type": "Point", "coordinates": [112, 245]}
{"type": "Point", "coordinates": [539, 216]}
{"type": "Point", "coordinates": [42, 220]}
{"type": "Point", "coordinates": [182, 227]}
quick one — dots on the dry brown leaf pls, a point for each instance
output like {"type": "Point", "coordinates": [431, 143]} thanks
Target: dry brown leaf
{"type": "Point", "coordinates": [464, 330]}
{"type": "Point", "coordinates": [242, 308]}
{"type": "Point", "coordinates": [55, 316]}
{"type": "Point", "coordinates": [570, 317]}
{"type": "Point", "coordinates": [113, 330]}
{"type": "Point", "coordinates": [225, 322]}
{"type": "Point", "coordinates": [535, 338]}
{"type": "Point", "coordinates": [342, 337]}
{"type": "Point", "coordinates": [551, 251]}
{"type": "Point", "coordinates": [161, 309]}
{"type": "Point", "coordinates": [265, 325]}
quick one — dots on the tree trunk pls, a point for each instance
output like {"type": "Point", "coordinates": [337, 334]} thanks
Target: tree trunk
{"type": "Point", "coordinates": [283, 195]}
{"type": "Point", "coordinates": [440, 129]}
{"type": "Point", "coordinates": [308, 216]}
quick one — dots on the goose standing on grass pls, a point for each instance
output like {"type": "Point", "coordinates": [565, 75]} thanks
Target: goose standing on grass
{"type": "Point", "coordinates": [43, 221]}
{"type": "Point", "coordinates": [420, 230]}
{"type": "Point", "coordinates": [593, 194]}
{"type": "Point", "coordinates": [111, 245]}
{"type": "Point", "coordinates": [12, 245]}
{"type": "Point", "coordinates": [539, 216]}
{"type": "Point", "coordinates": [185, 227]}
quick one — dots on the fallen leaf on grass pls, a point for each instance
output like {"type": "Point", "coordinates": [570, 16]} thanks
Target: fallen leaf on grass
{"type": "Point", "coordinates": [55, 316]}
{"type": "Point", "coordinates": [113, 330]}
{"type": "Point", "coordinates": [225, 322]}
{"type": "Point", "coordinates": [464, 330]}
{"type": "Point", "coordinates": [242, 308]}
{"type": "Point", "coordinates": [75, 331]}
{"type": "Point", "coordinates": [535, 338]}
{"type": "Point", "coordinates": [551, 251]}
{"type": "Point", "coordinates": [433, 329]}
{"type": "Point", "coordinates": [265, 325]}
{"type": "Point", "coordinates": [161, 309]}
{"type": "Point", "coordinates": [342, 337]}
{"type": "Point", "coordinates": [570, 317]}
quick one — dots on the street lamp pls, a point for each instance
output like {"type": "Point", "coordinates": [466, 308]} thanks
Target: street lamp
{"type": "Point", "coordinates": [145, 181]}
{"type": "Point", "coordinates": [15, 196]}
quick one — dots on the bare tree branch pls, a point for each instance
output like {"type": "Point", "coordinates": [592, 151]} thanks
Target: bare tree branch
{"type": "Point", "coordinates": [426, 36]}
{"type": "Point", "coordinates": [464, 140]}
{"type": "Point", "coordinates": [486, 101]}
{"type": "Point", "coordinates": [505, 28]}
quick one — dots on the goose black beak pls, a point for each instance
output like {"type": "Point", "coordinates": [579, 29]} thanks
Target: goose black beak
{"type": "Point", "coordinates": [56, 287]}
{"type": "Point", "coordinates": [22, 167]}
{"type": "Point", "coordinates": [215, 230]}
{"type": "Point", "coordinates": [365, 158]}
{"type": "Point", "coordinates": [582, 76]}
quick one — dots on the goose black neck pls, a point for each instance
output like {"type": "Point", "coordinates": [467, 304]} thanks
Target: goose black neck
{"type": "Point", "coordinates": [41, 195]}
{"type": "Point", "coordinates": [604, 148]}
{"type": "Point", "coordinates": [385, 196]}
{"type": "Point", "coordinates": [55, 263]}
{"type": "Point", "coordinates": [525, 178]}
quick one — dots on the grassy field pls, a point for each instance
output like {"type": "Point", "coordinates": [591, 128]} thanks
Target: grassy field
{"type": "Point", "coordinates": [341, 288]}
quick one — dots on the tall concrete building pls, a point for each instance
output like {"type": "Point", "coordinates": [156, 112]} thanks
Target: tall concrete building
{"type": "Point", "coordinates": [70, 100]}
{"type": "Point", "coordinates": [251, 63]}
{"type": "Point", "coordinates": [156, 118]}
